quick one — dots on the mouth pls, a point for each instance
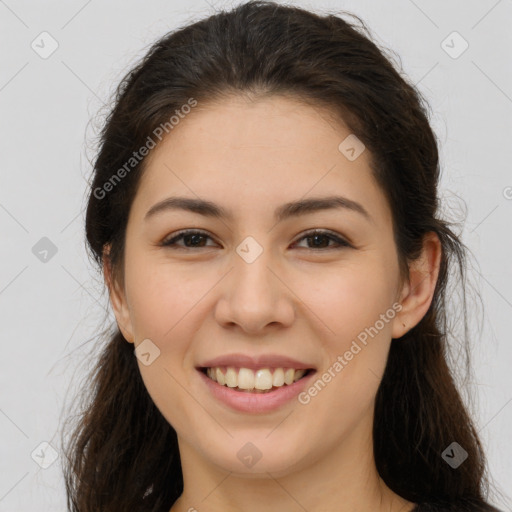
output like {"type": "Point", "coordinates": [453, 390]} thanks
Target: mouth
{"type": "Point", "coordinates": [259, 381]}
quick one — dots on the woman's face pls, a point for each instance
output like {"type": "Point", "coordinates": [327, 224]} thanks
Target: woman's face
{"type": "Point", "coordinates": [255, 283]}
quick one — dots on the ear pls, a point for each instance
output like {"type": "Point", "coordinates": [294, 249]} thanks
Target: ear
{"type": "Point", "coordinates": [416, 295]}
{"type": "Point", "coordinates": [117, 298]}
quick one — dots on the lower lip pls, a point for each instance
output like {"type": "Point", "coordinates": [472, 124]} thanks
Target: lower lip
{"type": "Point", "coordinates": [256, 402]}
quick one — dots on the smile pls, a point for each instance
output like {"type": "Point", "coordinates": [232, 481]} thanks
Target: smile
{"type": "Point", "coordinates": [254, 400]}
{"type": "Point", "coordinates": [263, 380]}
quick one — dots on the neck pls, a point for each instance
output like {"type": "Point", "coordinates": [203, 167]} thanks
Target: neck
{"type": "Point", "coordinates": [345, 480]}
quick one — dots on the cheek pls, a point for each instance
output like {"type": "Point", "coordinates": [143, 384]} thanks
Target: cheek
{"type": "Point", "coordinates": [161, 296]}
{"type": "Point", "coordinates": [357, 309]}
{"type": "Point", "coordinates": [163, 303]}
{"type": "Point", "coordinates": [347, 300]}
{"type": "Point", "coordinates": [355, 306]}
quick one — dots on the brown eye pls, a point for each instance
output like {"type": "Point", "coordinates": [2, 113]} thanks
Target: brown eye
{"type": "Point", "coordinates": [316, 239]}
{"type": "Point", "coordinates": [321, 239]}
{"type": "Point", "coordinates": [191, 238]}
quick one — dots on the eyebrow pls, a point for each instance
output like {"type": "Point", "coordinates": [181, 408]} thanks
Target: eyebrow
{"type": "Point", "coordinates": [283, 212]}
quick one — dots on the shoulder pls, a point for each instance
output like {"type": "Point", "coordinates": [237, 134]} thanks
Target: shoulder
{"type": "Point", "coordinates": [459, 506]}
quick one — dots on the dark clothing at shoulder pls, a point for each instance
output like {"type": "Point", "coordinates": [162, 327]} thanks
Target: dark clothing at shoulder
{"type": "Point", "coordinates": [460, 506]}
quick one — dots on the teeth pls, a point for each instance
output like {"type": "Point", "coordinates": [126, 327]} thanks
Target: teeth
{"type": "Point", "coordinates": [261, 380]}
{"type": "Point", "coordinates": [278, 377]}
{"type": "Point", "coordinates": [231, 378]}
{"type": "Point", "coordinates": [288, 376]}
{"type": "Point", "coordinates": [245, 379]}
{"type": "Point", "coordinates": [220, 377]}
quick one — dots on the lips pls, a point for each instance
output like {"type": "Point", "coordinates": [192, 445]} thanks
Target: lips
{"type": "Point", "coordinates": [256, 362]}
{"type": "Point", "coordinates": [255, 401]}
{"type": "Point", "coordinates": [245, 379]}
{"type": "Point", "coordinates": [256, 384]}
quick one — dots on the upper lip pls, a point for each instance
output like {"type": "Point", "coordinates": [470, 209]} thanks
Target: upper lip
{"type": "Point", "coordinates": [255, 362]}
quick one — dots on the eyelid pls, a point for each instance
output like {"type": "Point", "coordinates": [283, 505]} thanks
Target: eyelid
{"type": "Point", "coordinates": [190, 231]}
{"type": "Point", "coordinates": [340, 241]}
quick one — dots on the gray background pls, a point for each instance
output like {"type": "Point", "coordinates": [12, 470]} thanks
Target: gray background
{"type": "Point", "coordinates": [49, 116]}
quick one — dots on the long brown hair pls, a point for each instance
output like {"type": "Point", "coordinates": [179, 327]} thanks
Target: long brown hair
{"type": "Point", "coordinates": [122, 454]}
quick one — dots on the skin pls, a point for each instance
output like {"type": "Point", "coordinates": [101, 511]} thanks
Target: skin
{"type": "Point", "coordinates": [295, 299]}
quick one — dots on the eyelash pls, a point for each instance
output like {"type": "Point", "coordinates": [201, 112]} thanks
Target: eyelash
{"type": "Point", "coordinates": [341, 243]}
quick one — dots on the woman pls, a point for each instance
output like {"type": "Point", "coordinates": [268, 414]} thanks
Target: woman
{"type": "Point", "coordinates": [264, 209]}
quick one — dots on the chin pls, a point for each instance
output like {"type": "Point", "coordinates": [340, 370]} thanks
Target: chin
{"type": "Point", "coordinates": [255, 459]}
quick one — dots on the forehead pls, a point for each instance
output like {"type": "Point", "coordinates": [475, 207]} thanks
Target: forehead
{"type": "Point", "coordinates": [256, 154]}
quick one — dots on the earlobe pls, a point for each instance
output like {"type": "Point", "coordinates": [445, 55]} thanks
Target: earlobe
{"type": "Point", "coordinates": [418, 292]}
{"type": "Point", "coordinates": [117, 299]}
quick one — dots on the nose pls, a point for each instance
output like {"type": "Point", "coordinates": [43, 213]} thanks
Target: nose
{"type": "Point", "coordinates": [255, 296]}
